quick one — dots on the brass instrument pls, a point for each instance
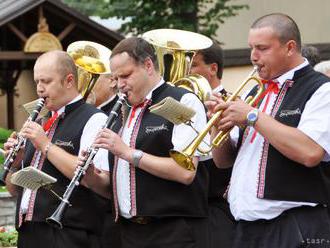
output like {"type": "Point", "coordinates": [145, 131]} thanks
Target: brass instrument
{"type": "Point", "coordinates": [184, 158]}
{"type": "Point", "coordinates": [175, 51]}
{"type": "Point", "coordinates": [92, 60]}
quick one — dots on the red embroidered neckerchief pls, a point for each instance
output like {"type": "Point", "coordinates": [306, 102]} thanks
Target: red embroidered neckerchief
{"type": "Point", "coordinates": [134, 108]}
{"type": "Point", "coordinates": [272, 87]}
{"type": "Point", "coordinates": [50, 121]}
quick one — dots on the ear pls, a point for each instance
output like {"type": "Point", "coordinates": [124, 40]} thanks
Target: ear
{"type": "Point", "coordinates": [148, 65]}
{"type": "Point", "coordinates": [214, 68]}
{"type": "Point", "coordinates": [292, 47]}
{"type": "Point", "coordinates": [69, 80]}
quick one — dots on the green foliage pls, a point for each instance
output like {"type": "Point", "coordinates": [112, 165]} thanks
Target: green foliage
{"type": "Point", "coordinates": [4, 134]}
{"type": "Point", "coordinates": [203, 16]}
{"type": "Point", "coordinates": [8, 239]}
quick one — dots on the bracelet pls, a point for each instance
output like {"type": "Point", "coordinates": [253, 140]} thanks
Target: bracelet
{"type": "Point", "coordinates": [47, 148]}
{"type": "Point", "coordinates": [137, 155]}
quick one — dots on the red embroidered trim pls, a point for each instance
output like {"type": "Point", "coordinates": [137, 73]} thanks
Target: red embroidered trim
{"type": "Point", "coordinates": [131, 167]}
{"type": "Point", "coordinates": [264, 157]}
{"type": "Point", "coordinates": [30, 210]}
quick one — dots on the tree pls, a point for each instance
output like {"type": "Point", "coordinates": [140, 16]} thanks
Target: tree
{"type": "Point", "coordinates": [203, 16]}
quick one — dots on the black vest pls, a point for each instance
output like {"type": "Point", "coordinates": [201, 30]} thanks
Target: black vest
{"type": "Point", "coordinates": [108, 107]}
{"type": "Point", "coordinates": [218, 180]}
{"type": "Point", "coordinates": [284, 178]}
{"type": "Point", "coordinates": [156, 196]}
{"type": "Point", "coordinates": [87, 210]}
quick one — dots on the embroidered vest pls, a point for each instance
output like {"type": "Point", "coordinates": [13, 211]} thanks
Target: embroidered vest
{"type": "Point", "coordinates": [152, 195]}
{"type": "Point", "coordinates": [87, 210]}
{"type": "Point", "coordinates": [279, 177]}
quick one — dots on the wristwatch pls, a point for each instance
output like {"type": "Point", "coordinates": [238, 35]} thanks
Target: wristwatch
{"type": "Point", "coordinates": [252, 117]}
{"type": "Point", "coordinates": [137, 155]}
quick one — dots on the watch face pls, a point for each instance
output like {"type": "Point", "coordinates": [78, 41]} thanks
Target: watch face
{"type": "Point", "coordinates": [252, 117]}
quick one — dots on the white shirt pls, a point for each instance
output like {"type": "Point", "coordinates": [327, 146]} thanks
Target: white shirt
{"type": "Point", "coordinates": [217, 89]}
{"type": "Point", "coordinates": [91, 129]}
{"type": "Point", "coordinates": [242, 194]}
{"type": "Point", "coordinates": [182, 135]}
{"type": "Point", "coordinates": [107, 101]}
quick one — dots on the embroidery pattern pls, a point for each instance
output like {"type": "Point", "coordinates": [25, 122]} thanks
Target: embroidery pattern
{"type": "Point", "coordinates": [263, 160]}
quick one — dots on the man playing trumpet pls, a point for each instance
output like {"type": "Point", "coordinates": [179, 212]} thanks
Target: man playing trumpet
{"type": "Point", "coordinates": [277, 193]}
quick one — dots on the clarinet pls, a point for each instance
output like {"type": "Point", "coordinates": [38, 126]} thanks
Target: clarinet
{"type": "Point", "coordinates": [55, 219]}
{"type": "Point", "coordinates": [21, 141]}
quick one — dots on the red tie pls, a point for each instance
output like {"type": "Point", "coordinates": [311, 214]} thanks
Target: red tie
{"type": "Point", "coordinates": [50, 121]}
{"type": "Point", "coordinates": [134, 108]}
{"type": "Point", "coordinates": [272, 87]}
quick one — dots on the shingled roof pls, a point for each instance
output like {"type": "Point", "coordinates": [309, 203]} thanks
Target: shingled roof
{"type": "Point", "coordinates": [19, 20]}
{"type": "Point", "coordinates": [58, 16]}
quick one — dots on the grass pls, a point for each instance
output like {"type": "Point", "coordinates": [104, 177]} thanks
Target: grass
{"type": "Point", "coordinates": [8, 239]}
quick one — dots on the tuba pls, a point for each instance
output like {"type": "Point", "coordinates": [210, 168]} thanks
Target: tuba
{"type": "Point", "coordinates": [184, 157]}
{"type": "Point", "coordinates": [175, 50]}
{"type": "Point", "coordinates": [92, 60]}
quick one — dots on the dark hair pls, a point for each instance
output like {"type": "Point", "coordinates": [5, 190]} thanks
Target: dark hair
{"type": "Point", "coordinates": [138, 49]}
{"type": "Point", "coordinates": [311, 53]}
{"type": "Point", "coordinates": [213, 54]}
{"type": "Point", "coordinates": [285, 27]}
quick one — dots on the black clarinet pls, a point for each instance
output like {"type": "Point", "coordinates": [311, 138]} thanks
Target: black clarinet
{"type": "Point", "coordinates": [20, 142]}
{"type": "Point", "coordinates": [55, 219]}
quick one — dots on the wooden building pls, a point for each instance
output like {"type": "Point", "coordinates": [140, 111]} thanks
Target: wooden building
{"type": "Point", "coordinates": [27, 28]}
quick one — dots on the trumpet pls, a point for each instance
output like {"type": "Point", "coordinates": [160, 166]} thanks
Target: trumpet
{"type": "Point", "coordinates": [55, 219]}
{"type": "Point", "coordinates": [20, 142]}
{"type": "Point", "coordinates": [184, 157]}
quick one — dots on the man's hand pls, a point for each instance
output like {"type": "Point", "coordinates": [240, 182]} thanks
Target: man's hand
{"type": "Point", "coordinates": [95, 179]}
{"type": "Point", "coordinates": [111, 141]}
{"type": "Point", "coordinates": [233, 113]}
{"type": "Point", "coordinates": [36, 134]}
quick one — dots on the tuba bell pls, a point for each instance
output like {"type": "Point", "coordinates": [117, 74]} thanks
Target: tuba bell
{"type": "Point", "coordinates": [92, 60]}
{"type": "Point", "coordinates": [175, 50]}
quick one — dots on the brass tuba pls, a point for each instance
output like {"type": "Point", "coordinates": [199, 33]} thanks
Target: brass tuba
{"type": "Point", "coordinates": [175, 51]}
{"type": "Point", "coordinates": [92, 60]}
{"type": "Point", "coordinates": [184, 157]}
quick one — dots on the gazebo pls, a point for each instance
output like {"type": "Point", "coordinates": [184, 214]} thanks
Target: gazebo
{"type": "Point", "coordinates": [30, 27]}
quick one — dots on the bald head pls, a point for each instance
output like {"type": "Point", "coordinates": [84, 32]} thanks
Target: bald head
{"type": "Point", "coordinates": [62, 63]}
{"type": "Point", "coordinates": [283, 25]}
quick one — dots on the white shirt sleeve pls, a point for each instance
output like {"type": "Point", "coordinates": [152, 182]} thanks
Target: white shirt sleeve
{"type": "Point", "coordinates": [183, 134]}
{"type": "Point", "coordinates": [315, 119]}
{"type": "Point", "coordinates": [91, 129]}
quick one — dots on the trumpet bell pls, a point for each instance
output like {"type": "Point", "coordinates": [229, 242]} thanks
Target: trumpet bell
{"type": "Point", "coordinates": [184, 160]}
